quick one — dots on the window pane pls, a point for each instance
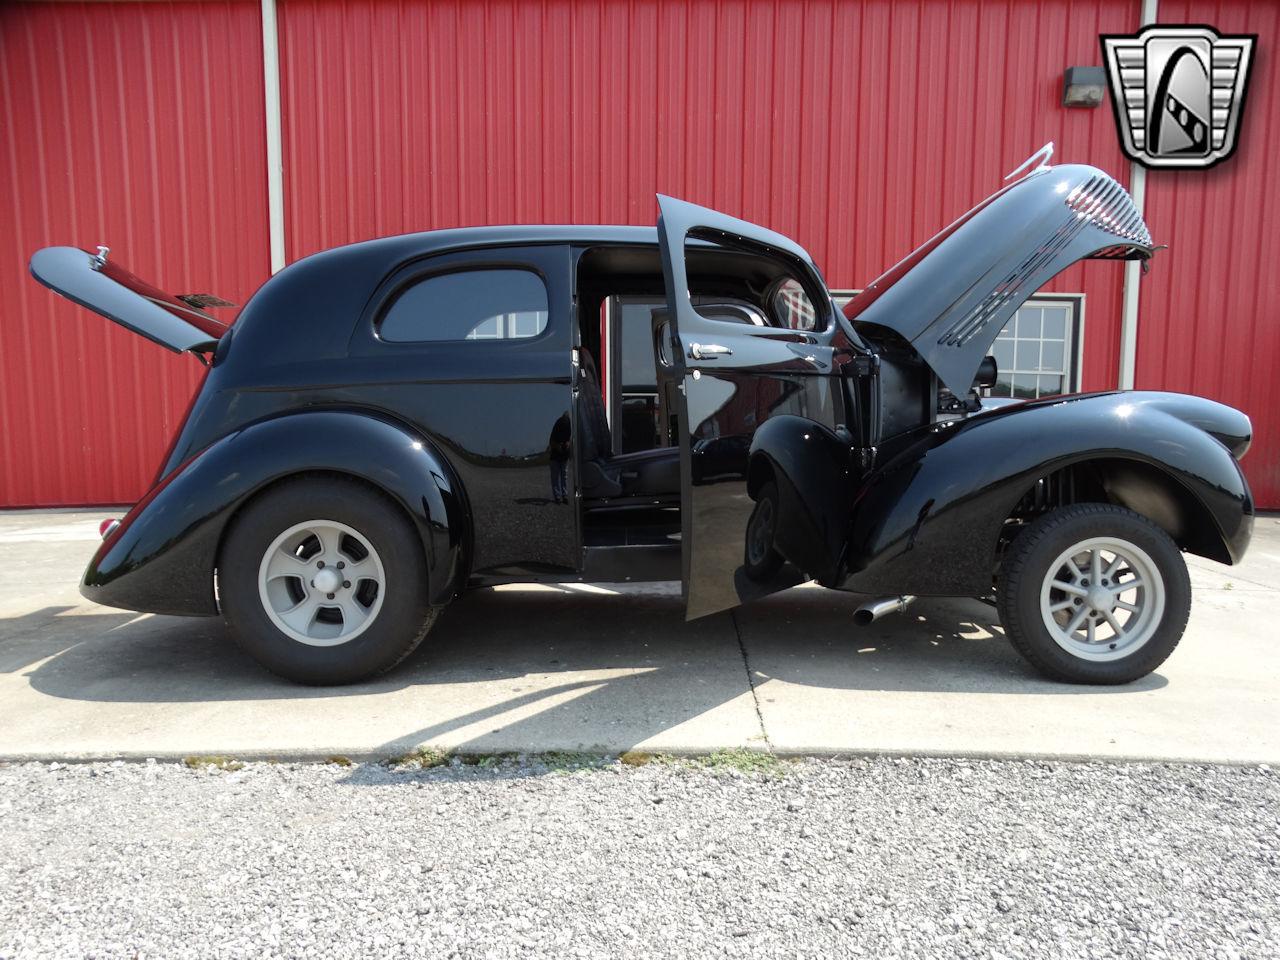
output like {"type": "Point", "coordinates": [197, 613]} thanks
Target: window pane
{"type": "Point", "coordinates": [1033, 352]}
{"type": "Point", "coordinates": [639, 371]}
{"type": "Point", "coordinates": [528, 323]}
{"type": "Point", "coordinates": [485, 330]}
{"type": "Point", "coordinates": [1028, 356]}
{"type": "Point", "coordinates": [1003, 352]}
{"type": "Point", "coordinates": [792, 307]}
{"type": "Point", "coordinates": [1055, 322]}
{"type": "Point", "coordinates": [471, 305]}
{"type": "Point", "coordinates": [1029, 322]}
{"type": "Point", "coordinates": [1050, 385]}
{"type": "Point", "coordinates": [1052, 353]}
{"type": "Point", "coordinates": [1024, 385]}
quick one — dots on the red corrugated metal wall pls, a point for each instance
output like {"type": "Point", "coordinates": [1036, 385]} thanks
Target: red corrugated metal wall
{"type": "Point", "coordinates": [139, 125]}
{"type": "Point", "coordinates": [1209, 317]}
{"type": "Point", "coordinates": [860, 129]}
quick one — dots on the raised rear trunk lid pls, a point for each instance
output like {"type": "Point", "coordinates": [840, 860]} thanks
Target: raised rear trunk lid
{"type": "Point", "coordinates": [94, 281]}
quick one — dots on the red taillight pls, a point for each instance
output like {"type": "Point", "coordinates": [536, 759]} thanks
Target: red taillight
{"type": "Point", "coordinates": [106, 526]}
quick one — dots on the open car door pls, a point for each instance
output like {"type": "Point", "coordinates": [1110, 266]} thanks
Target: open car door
{"type": "Point", "coordinates": [730, 377]}
{"type": "Point", "coordinates": [102, 285]}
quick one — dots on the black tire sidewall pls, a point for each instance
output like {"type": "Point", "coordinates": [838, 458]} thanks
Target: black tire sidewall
{"type": "Point", "coordinates": [402, 618]}
{"type": "Point", "coordinates": [1026, 565]}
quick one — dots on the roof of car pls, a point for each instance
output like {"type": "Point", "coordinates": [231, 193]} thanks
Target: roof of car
{"type": "Point", "coordinates": [306, 310]}
{"type": "Point", "coordinates": [439, 240]}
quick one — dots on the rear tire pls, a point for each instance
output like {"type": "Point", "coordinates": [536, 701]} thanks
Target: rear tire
{"type": "Point", "coordinates": [1094, 593]}
{"type": "Point", "coordinates": [323, 581]}
{"type": "Point", "coordinates": [760, 560]}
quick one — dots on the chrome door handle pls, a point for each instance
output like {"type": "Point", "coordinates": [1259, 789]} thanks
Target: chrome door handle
{"type": "Point", "coordinates": [708, 351]}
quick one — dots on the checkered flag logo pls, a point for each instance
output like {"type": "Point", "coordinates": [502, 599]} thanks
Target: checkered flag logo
{"type": "Point", "coordinates": [1178, 93]}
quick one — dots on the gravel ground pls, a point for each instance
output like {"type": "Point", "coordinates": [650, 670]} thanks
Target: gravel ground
{"type": "Point", "coordinates": [878, 858]}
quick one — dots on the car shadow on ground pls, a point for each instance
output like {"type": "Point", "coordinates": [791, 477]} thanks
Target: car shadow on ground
{"type": "Point", "coordinates": [626, 660]}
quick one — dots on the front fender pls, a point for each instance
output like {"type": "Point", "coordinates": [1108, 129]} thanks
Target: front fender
{"type": "Point", "coordinates": [814, 472]}
{"type": "Point", "coordinates": [929, 519]}
{"type": "Point", "coordinates": [161, 558]}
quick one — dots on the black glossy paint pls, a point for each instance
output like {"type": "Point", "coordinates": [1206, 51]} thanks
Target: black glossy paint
{"type": "Point", "coordinates": [162, 556]}
{"type": "Point", "coordinates": [489, 407]}
{"type": "Point", "coordinates": [757, 374]}
{"type": "Point", "coordinates": [873, 496]}
{"type": "Point", "coordinates": [927, 517]}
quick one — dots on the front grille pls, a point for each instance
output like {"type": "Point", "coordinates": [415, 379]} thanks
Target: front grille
{"type": "Point", "coordinates": [1102, 202]}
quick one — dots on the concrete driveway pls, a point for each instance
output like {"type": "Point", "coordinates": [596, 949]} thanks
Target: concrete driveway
{"type": "Point", "coordinates": [611, 668]}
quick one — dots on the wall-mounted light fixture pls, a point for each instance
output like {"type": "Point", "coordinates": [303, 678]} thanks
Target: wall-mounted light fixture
{"type": "Point", "coordinates": [1083, 86]}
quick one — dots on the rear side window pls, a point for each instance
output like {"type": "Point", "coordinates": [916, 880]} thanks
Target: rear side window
{"type": "Point", "coordinates": [468, 305]}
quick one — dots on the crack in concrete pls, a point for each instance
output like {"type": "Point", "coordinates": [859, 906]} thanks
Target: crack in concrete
{"type": "Point", "coordinates": [751, 681]}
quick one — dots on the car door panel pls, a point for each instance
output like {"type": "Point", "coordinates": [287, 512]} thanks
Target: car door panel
{"type": "Point", "coordinates": [730, 379]}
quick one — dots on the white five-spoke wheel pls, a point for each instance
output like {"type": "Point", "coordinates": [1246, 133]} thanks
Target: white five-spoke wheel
{"type": "Point", "coordinates": [324, 580]}
{"type": "Point", "coordinates": [1094, 593]}
{"type": "Point", "coordinates": [321, 582]}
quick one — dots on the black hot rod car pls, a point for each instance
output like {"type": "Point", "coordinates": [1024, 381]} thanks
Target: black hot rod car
{"type": "Point", "coordinates": [391, 422]}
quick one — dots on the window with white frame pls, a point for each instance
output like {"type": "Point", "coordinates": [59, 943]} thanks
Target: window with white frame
{"type": "Point", "coordinates": [510, 326]}
{"type": "Point", "coordinates": [1038, 351]}
{"type": "Point", "coordinates": [1035, 352]}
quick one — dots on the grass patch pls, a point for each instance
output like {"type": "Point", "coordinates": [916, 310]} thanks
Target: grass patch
{"type": "Point", "coordinates": [338, 760]}
{"type": "Point", "coordinates": [751, 762]}
{"type": "Point", "coordinates": [424, 758]}
{"type": "Point", "coordinates": [216, 762]}
{"type": "Point", "coordinates": [568, 761]}
{"type": "Point", "coordinates": [485, 761]}
{"type": "Point", "coordinates": [745, 761]}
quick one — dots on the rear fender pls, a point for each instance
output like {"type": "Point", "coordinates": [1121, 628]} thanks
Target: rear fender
{"type": "Point", "coordinates": [162, 557]}
{"type": "Point", "coordinates": [929, 519]}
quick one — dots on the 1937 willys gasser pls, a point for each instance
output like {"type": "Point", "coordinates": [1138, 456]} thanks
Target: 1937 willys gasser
{"type": "Point", "coordinates": [391, 422]}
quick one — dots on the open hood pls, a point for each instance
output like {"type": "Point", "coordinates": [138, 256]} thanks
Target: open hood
{"type": "Point", "coordinates": [952, 296]}
{"type": "Point", "coordinates": [92, 281]}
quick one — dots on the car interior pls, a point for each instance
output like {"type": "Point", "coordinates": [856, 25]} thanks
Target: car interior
{"type": "Point", "coordinates": [626, 441]}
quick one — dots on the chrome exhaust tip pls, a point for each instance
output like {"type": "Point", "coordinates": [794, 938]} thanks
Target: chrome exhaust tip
{"type": "Point", "coordinates": [873, 610]}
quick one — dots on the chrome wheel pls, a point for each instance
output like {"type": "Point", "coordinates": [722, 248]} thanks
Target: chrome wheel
{"type": "Point", "coordinates": [321, 582]}
{"type": "Point", "coordinates": [1102, 599]}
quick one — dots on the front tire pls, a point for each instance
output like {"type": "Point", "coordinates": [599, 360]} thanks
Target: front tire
{"type": "Point", "coordinates": [760, 559]}
{"type": "Point", "coordinates": [323, 581]}
{"type": "Point", "coordinates": [1094, 593]}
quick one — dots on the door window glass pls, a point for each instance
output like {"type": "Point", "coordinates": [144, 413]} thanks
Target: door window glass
{"type": "Point", "coordinates": [792, 307]}
{"type": "Point", "coordinates": [468, 305]}
{"type": "Point", "coordinates": [633, 401]}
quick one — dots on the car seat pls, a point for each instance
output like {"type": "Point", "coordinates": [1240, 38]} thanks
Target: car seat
{"type": "Point", "coordinates": [653, 473]}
